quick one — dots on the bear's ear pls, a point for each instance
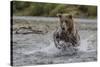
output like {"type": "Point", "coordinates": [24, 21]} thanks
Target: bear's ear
{"type": "Point", "coordinates": [70, 16]}
{"type": "Point", "coordinates": [59, 15]}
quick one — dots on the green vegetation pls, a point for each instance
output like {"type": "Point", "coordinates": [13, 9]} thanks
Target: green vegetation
{"type": "Point", "coordinates": [21, 8]}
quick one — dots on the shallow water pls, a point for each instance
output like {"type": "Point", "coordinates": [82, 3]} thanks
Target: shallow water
{"type": "Point", "coordinates": [33, 49]}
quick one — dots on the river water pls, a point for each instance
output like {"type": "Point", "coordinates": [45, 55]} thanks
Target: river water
{"type": "Point", "coordinates": [37, 49]}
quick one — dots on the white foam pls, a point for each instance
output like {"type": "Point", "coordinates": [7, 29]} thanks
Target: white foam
{"type": "Point", "coordinates": [51, 50]}
{"type": "Point", "coordinates": [84, 44]}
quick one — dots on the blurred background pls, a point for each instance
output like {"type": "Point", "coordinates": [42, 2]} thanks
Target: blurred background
{"type": "Point", "coordinates": [21, 8]}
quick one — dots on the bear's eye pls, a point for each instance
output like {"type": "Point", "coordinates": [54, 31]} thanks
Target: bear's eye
{"type": "Point", "coordinates": [66, 21]}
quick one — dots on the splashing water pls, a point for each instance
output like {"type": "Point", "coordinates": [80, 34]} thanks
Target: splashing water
{"type": "Point", "coordinates": [84, 44]}
{"type": "Point", "coordinates": [45, 51]}
{"type": "Point", "coordinates": [51, 50]}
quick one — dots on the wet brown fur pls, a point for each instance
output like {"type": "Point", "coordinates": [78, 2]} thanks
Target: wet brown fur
{"type": "Point", "coordinates": [69, 35]}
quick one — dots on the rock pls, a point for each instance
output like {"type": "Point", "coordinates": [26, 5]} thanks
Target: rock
{"type": "Point", "coordinates": [29, 30]}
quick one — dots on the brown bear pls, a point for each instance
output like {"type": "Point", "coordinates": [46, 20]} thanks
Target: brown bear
{"type": "Point", "coordinates": [66, 34]}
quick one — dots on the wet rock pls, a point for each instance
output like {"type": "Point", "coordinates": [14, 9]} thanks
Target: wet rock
{"type": "Point", "coordinates": [29, 30]}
